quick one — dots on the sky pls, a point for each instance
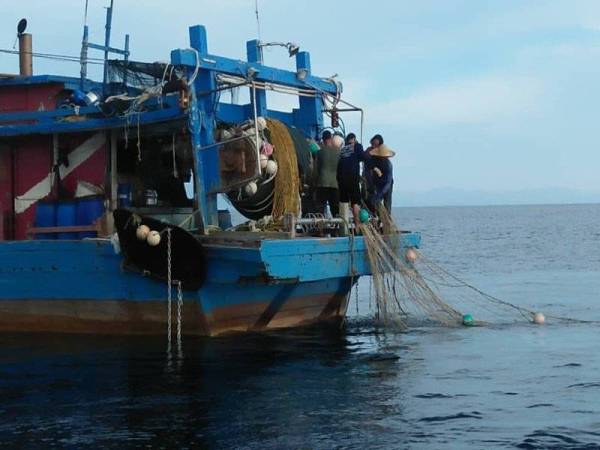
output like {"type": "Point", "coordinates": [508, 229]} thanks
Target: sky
{"type": "Point", "coordinates": [474, 96]}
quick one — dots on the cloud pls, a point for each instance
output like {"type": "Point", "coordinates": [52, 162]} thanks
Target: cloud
{"type": "Point", "coordinates": [471, 101]}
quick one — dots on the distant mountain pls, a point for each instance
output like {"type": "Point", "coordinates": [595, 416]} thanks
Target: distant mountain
{"type": "Point", "coordinates": [456, 197]}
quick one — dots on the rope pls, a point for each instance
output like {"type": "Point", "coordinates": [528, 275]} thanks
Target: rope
{"type": "Point", "coordinates": [175, 174]}
{"type": "Point", "coordinates": [139, 139]}
{"type": "Point", "coordinates": [196, 69]}
{"type": "Point", "coordinates": [54, 57]}
{"type": "Point", "coordinates": [458, 283]}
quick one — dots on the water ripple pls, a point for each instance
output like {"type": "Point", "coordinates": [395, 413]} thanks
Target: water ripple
{"type": "Point", "coordinates": [460, 415]}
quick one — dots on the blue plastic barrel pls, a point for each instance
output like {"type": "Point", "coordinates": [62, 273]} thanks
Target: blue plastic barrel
{"type": "Point", "coordinates": [66, 217]}
{"type": "Point", "coordinates": [89, 209]}
{"type": "Point", "coordinates": [124, 195]}
{"type": "Point", "coordinates": [45, 216]}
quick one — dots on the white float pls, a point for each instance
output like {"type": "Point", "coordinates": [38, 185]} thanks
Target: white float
{"type": "Point", "coordinates": [264, 159]}
{"type": "Point", "coordinates": [142, 232]}
{"type": "Point", "coordinates": [261, 122]}
{"type": "Point", "coordinates": [539, 318]}
{"type": "Point", "coordinates": [271, 167]}
{"type": "Point", "coordinates": [411, 255]}
{"type": "Point", "coordinates": [153, 238]}
{"type": "Point", "coordinates": [250, 189]}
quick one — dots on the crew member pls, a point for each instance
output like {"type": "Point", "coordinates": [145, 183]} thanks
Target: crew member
{"type": "Point", "coordinates": [380, 176]}
{"type": "Point", "coordinates": [326, 182]}
{"type": "Point", "coordinates": [348, 174]}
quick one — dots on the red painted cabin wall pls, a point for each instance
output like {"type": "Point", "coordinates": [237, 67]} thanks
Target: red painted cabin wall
{"type": "Point", "coordinates": [27, 160]}
{"type": "Point", "coordinates": [6, 193]}
{"type": "Point", "coordinates": [30, 97]}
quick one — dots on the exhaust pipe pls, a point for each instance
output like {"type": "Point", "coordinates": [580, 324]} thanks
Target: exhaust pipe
{"type": "Point", "coordinates": [25, 55]}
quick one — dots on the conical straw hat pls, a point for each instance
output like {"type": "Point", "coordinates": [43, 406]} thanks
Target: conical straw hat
{"type": "Point", "coordinates": [383, 150]}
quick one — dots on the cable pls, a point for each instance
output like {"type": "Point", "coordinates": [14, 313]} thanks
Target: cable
{"type": "Point", "coordinates": [55, 57]}
{"type": "Point", "coordinates": [196, 69]}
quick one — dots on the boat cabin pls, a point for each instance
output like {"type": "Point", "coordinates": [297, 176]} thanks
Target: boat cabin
{"type": "Point", "coordinates": [158, 139]}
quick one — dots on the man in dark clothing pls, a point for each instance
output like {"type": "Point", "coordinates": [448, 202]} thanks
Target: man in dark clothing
{"type": "Point", "coordinates": [380, 176]}
{"type": "Point", "coordinates": [326, 183]}
{"type": "Point", "coordinates": [376, 141]}
{"type": "Point", "coordinates": [348, 174]}
{"type": "Point", "coordinates": [367, 188]}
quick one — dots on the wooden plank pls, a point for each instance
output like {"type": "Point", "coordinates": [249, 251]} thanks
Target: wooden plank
{"type": "Point", "coordinates": [73, 229]}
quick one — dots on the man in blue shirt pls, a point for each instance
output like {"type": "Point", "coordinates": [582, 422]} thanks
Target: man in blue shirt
{"type": "Point", "coordinates": [348, 174]}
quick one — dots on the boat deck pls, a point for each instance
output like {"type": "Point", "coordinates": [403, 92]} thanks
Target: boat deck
{"type": "Point", "coordinates": [249, 239]}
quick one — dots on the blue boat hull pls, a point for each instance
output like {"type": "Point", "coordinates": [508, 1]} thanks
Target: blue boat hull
{"type": "Point", "coordinates": [81, 287]}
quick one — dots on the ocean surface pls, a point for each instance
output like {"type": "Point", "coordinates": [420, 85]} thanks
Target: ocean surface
{"type": "Point", "coordinates": [504, 385]}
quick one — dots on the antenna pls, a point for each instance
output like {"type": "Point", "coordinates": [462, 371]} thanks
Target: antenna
{"type": "Point", "coordinates": [106, 48]}
{"type": "Point", "coordinates": [85, 13]}
{"type": "Point", "coordinates": [257, 19]}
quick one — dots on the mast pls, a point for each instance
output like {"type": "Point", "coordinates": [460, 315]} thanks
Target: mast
{"type": "Point", "coordinates": [107, 27]}
{"type": "Point", "coordinates": [106, 48]}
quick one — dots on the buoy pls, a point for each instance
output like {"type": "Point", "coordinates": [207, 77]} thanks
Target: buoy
{"type": "Point", "coordinates": [337, 141]}
{"type": "Point", "coordinates": [467, 320]}
{"type": "Point", "coordinates": [261, 122]}
{"type": "Point", "coordinates": [153, 238]}
{"type": "Point", "coordinates": [264, 159]}
{"type": "Point", "coordinates": [539, 318]}
{"type": "Point", "coordinates": [363, 215]}
{"type": "Point", "coordinates": [142, 232]}
{"type": "Point", "coordinates": [314, 147]}
{"type": "Point", "coordinates": [250, 189]}
{"type": "Point", "coordinates": [266, 149]}
{"type": "Point", "coordinates": [411, 255]}
{"type": "Point", "coordinates": [271, 168]}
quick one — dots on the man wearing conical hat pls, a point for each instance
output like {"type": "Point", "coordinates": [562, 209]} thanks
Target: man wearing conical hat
{"type": "Point", "coordinates": [379, 173]}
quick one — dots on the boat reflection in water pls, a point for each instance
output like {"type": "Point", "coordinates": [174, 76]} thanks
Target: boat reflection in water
{"type": "Point", "coordinates": [265, 390]}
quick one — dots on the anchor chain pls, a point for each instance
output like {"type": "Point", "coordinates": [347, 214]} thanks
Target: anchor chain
{"type": "Point", "coordinates": [170, 283]}
{"type": "Point", "coordinates": [179, 306]}
{"type": "Point", "coordinates": [169, 299]}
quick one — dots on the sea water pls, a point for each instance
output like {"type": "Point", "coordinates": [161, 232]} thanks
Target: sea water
{"type": "Point", "coordinates": [503, 385]}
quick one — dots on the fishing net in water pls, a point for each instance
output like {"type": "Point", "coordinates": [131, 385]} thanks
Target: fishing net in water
{"type": "Point", "coordinates": [399, 289]}
{"type": "Point", "coordinates": [408, 285]}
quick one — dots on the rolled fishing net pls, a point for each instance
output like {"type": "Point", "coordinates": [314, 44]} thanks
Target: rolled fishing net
{"type": "Point", "coordinates": [287, 182]}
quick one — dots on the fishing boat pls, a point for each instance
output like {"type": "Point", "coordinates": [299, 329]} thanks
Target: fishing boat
{"type": "Point", "coordinates": [109, 217]}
